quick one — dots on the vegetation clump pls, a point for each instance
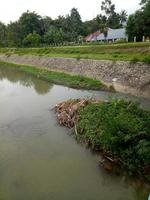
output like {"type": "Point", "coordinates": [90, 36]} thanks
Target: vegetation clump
{"type": "Point", "coordinates": [119, 127]}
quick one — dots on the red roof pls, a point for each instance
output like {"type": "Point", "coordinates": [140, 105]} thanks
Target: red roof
{"type": "Point", "coordinates": [92, 36]}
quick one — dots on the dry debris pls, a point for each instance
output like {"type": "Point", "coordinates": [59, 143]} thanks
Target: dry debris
{"type": "Point", "coordinates": [67, 111]}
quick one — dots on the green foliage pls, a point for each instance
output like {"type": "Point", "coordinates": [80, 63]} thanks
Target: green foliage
{"type": "Point", "coordinates": [3, 41]}
{"type": "Point", "coordinates": [120, 127]}
{"type": "Point", "coordinates": [60, 30]}
{"type": "Point", "coordinates": [90, 26]}
{"type": "Point", "coordinates": [146, 59]}
{"type": "Point", "coordinates": [75, 24]}
{"type": "Point", "coordinates": [64, 29]}
{"type": "Point", "coordinates": [29, 22]}
{"type": "Point", "coordinates": [134, 26]}
{"type": "Point", "coordinates": [54, 35]}
{"type": "Point", "coordinates": [113, 19]}
{"type": "Point", "coordinates": [139, 23]}
{"type": "Point", "coordinates": [32, 40]}
{"type": "Point", "coordinates": [46, 23]}
{"type": "Point", "coordinates": [13, 35]}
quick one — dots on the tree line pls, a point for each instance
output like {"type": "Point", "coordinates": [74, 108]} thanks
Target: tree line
{"type": "Point", "coordinates": [138, 24]}
{"type": "Point", "coordinates": [32, 30]}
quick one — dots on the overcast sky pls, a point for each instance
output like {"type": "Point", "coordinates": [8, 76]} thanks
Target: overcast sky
{"type": "Point", "coordinates": [10, 10]}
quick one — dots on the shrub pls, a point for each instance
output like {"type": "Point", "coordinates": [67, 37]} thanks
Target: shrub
{"type": "Point", "coordinates": [32, 40]}
{"type": "Point", "coordinates": [146, 59]}
{"type": "Point", "coordinates": [120, 127]}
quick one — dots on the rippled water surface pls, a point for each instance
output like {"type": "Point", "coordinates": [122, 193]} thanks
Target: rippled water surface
{"type": "Point", "coordinates": [38, 160]}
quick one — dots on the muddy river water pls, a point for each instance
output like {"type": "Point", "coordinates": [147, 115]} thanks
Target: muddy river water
{"type": "Point", "coordinates": [39, 160]}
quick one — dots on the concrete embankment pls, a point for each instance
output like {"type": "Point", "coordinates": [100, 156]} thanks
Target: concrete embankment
{"type": "Point", "coordinates": [124, 76]}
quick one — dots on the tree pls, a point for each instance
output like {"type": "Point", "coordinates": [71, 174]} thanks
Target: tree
{"type": "Point", "coordinates": [46, 23]}
{"type": "Point", "coordinates": [32, 40]}
{"type": "Point", "coordinates": [90, 26]}
{"type": "Point", "coordinates": [60, 22]}
{"type": "Point", "coordinates": [104, 30]}
{"type": "Point", "coordinates": [13, 35]}
{"type": "Point", "coordinates": [113, 18]}
{"type": "Point", "coordinates": [54, 35]}
{"type": "Point", "coordinates": [74, 24]}
{"type": "Point", "coordinates": [138, 24]}
{"type": "Point", "coordinates": [113, 21]}
{"type": "Point", "coordinates": [143, 2]}
{"type": "Point", "coordinates": [123, 17]}
{"type": "Point", "coordinates": [108, 7]}
{"type": "Point", "coordinates": [30, 22]}
{"type": "Point", "coordinates": [3, 41]}
{"type": "Point", "coordinates": [146, 18]}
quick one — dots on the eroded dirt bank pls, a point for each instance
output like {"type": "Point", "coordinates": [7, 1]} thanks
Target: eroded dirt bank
{"type": "Point", "coordinates": [123, 76]}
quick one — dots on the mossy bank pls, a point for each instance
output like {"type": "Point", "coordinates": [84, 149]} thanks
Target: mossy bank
{"type": "Point", "coordinates": [126, 77]}
{"type": "Point", "coordinates": [73, 81]}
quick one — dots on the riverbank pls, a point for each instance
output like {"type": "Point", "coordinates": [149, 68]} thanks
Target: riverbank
{"type": "Point", "coordinates": [126, 77]}
{"type": "Point", "coordinates": [73, 81]}
{"type": "Point", "coordinates": [117, 128]}
{"type": "Point", "coordinates": [133, 52]}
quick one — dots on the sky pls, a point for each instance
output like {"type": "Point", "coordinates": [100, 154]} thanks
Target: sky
{"type": "Point", "coordinates": [10, 10]}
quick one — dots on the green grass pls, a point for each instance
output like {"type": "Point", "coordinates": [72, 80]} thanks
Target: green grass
{"type": "Point", "coordinates": [122, 52]}
{"type": "Point", "coordinates": [121, 128]}
{"type": "Point", "coordinates": [73, 81]}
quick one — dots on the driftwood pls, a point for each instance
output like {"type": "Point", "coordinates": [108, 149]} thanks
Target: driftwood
{"type": "Point", "coordinates": [67, 111]}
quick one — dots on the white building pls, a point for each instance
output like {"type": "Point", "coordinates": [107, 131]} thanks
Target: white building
{"type": "Point", "coordinates": [112, 35]}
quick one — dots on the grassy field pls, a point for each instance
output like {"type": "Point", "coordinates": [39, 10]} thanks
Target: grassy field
{"type": "Point", "coordinates": [73, 81]}
{"type": "Point", "coordinates": [133, 52]}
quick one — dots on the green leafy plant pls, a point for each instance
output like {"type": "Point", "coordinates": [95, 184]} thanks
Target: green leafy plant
{"type": "Point", "coordinates": [120, 127]}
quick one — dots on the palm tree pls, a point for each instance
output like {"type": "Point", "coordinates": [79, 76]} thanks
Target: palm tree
{"type": "Point", "coordinates": [123, 17]}
{"type": "Point", "coordinates": [104, 30]}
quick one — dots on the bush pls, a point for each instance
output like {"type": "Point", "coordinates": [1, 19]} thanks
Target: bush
{"type": "Point", "coordinates": [32, 40]}
{"type": "Point", "coordinates": [120, 127]}
{"type": "Point", "coordinates": [147, 59]}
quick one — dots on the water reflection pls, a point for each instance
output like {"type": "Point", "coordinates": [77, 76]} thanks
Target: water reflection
{"type": "Point", "coordinates": [15, 76]}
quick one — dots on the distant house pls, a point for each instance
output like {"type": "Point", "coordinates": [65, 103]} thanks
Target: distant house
{"type": "Point", "coordinates": [92, 36]}
{"type": "Point", "coordinates": [112, 35]}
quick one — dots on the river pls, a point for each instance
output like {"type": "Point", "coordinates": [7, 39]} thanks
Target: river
{"type": "Point", "coordinates": [39, 160]}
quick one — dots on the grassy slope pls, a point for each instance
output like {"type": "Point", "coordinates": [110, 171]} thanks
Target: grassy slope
{"type": "Point", "coordinates": [127, 51]}
{"type": "Point", "coordinates": [120, 127]}
{"type": "Point", "coordinates": [73, 81]}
